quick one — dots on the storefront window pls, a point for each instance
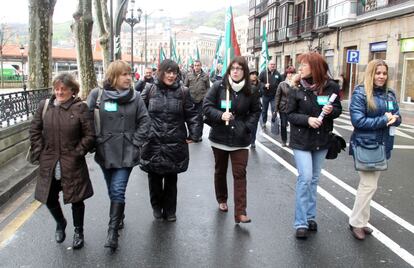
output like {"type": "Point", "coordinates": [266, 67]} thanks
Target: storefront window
{"type": "Point", "coordinates": [408, 78]}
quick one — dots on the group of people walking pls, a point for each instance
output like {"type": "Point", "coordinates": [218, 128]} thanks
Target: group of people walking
{"type": "Point", "coordinates": [152, 128]}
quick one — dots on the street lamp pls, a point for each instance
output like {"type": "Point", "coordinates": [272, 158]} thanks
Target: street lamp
{"type": "Point", "coordinates": [22, 54]}
{"type": "Point", "coordinates": [131, 21]}
{"type": "Point", "coordinates": [145, 36]}
{"type": "Point", "coordinates": [24, 84]}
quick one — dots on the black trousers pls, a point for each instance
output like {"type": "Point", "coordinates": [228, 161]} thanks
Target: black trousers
{"type": "Point", "coordinates": [283, 125]}
{"type": "Point", "coordinates": [163, 192]}
{"type": "Point", "coordinates": [199, 107]}
{"type": "Point", "coordinates": [53, 203]}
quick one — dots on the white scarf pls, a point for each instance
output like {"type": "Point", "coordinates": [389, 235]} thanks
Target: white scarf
{"type": "Point", "coordinates": [236, 86]}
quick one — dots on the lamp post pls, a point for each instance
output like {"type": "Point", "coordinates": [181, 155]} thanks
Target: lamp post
{"type": "Point", "coordinates": [145, 35]}
{"type": "Point", "coordinates": [23, 82]}
{"type": "Point", "coordinates": [131, 21]}
{"type": "Point", "coordinates": [22, 54]}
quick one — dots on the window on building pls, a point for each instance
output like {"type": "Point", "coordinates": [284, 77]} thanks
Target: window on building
{"type": "Point", "coordinates": [408, 78]}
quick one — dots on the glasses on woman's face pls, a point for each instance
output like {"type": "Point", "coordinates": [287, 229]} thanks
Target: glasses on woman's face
{"type": "Point", "coordinates": [239, 69]}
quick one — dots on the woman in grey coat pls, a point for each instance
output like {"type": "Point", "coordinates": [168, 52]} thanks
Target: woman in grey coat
{"type": "Point", "coordinates": [123, 127]}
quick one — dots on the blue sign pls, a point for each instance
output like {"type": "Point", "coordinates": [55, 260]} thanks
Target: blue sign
{"type": "Point", "coordinates": [352, 56]}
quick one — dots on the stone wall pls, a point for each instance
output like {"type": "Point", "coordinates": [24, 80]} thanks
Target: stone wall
{"type": "Point", "coordinates": [13, 141]}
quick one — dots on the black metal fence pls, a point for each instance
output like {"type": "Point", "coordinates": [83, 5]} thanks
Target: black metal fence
{"type": "Point", "coordinates": [20, 106]}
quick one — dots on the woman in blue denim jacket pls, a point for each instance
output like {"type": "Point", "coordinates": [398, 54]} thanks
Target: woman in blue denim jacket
{"type": "Point", "coordinates": [374, 115]}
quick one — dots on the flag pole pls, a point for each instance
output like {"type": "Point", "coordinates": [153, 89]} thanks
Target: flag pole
{"type": "Point", "coordinates": [227, 88]}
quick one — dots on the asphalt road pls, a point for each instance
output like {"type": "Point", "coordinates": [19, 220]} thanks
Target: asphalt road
{"type": "Point", "coordinates": [205, 237]}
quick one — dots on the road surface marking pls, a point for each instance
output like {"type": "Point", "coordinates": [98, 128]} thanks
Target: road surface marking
{"type": "Point", "coordinates": [351, 190]}
{"type": "Point", "coordinates": [8, 232]}
{"type": "Point", "coordinates": [385, 240]}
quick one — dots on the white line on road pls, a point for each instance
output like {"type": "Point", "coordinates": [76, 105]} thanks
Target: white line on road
{"type": "Point", "coordinates": [351, 190]}
{"type": "Point", "coordinates": [388, 242]}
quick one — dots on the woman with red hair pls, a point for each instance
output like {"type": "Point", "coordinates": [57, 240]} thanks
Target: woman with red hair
{"type": "Point", "coordinates": [309, 134]}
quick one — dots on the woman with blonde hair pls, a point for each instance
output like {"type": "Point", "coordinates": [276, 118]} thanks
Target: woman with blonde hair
{"type": "Point", "coordinates": [374, 115]}
{"type": "Point", "coordinates": [123, 127]}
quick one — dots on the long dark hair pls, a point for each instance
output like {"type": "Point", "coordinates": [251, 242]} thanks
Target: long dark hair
{"type": "Point", "coordinates": [246, 72]}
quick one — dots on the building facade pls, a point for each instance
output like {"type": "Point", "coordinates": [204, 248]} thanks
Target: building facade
{"type": "Point", "coordinates": [376, 29]}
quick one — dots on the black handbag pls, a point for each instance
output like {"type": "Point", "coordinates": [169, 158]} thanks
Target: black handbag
{"type": "Point", "coordinates": [336, 145]}
{"type": "Point", "coordinates": [370, 157]}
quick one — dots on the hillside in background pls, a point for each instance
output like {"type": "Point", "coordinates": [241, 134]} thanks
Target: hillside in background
{"type": "Point", "coordinates": [62, 35]}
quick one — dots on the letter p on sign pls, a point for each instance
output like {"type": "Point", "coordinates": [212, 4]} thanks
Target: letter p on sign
{"type": "Point", "coordinates": [352, 56]}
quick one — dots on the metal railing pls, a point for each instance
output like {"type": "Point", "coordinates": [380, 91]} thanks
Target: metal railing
{"type": "Point", "coordinates": [19, 106]}
{"type": "Point", "coordinates": [282, 35]}
{"type": "Point", "coordinates": [11, 81]}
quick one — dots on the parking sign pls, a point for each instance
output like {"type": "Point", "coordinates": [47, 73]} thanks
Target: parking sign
{"type": "Point", "coordinates": [352, 56]}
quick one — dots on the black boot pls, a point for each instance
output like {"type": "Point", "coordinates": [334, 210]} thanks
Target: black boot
{"type": "Point", "coordinates": [121, 223]}
{"type": "Point", "coordinates": [115, 214]}
{"type": "Point", "coordinates": [60, 223]}
{"type": "Point", "coordinates": [78, 212]}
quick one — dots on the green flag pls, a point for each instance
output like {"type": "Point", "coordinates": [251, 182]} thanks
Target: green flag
{"type": "Point", "coordinates": [232, 48]}
{"type": "Point", "coordinates": [265, 52]}
{"type": "Point", "coordinates": [217, 56]}
{"type": "Point", "coordinates": [173, 52]}
{"type": "Point", "coordinates": [197, 56]}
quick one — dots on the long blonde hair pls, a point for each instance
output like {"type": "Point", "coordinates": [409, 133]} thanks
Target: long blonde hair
{"type": "Point", "coordinates": [369, 81]}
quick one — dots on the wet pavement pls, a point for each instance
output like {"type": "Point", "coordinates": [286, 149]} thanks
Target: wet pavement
{"type": "Point", "coordinates": [205, 237]}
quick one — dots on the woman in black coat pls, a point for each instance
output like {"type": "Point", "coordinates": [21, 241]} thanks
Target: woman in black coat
{"type": "Point", "coordinates": [231, 130]}
{"type": "Point", "coordinates": [165, 153]}
{"type": "Point", "coordinates": [309, 135]}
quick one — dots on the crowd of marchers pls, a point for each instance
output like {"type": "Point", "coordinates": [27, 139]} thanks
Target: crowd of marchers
{"type": "Point", "coordinates": [152, 124]}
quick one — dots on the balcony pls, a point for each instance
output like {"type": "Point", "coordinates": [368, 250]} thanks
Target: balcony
{"type": "Point", "coordinates": [373, 5]}
{"type": "Point", "coordinates": [306, 27]}
{"type": "Point", "coordinates": [282, 34]}
{"type": "Point", "coordinates": [292, 31]}
{"type": "Point", "coordinates": [257, 42]}
{"type": "Point", "coordinates": [261, 8]}
{"type": "Point", "coordinates": [342, 13]}
{"type": "Point", "coordinates": [321, 20]}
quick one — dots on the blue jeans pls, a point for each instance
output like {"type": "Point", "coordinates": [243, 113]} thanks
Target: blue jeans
{"type": "Point", "coordinates": [265, 103]}
{"type": "Point", "coordinates": [309, 165]}
{"type": "Point", "coordinates": [116, 182]}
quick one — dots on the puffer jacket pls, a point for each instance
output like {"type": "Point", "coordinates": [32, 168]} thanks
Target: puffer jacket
{"type": "Point", "coordinates": [170, 109]}
{"type": "Point", "coordinates": [245, 108]}
{"type": "Point", "coordinates": [122, 131]}
{"type": "Point", "coordinates": [66, 133]}
{"type": "Point", "coordinates": [198, 84]}
{"type": "Point", "coordinates": [302, 104]}
{"type": "Point", "coordinates": [371, 126]}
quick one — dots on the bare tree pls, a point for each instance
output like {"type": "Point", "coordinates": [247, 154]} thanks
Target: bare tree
{"type": "Point", "coordinates": [40, 42]}
{"type": "Point", "coordinates": [103, 19]}
{"type": "Point", "coordinates": [82, 30]}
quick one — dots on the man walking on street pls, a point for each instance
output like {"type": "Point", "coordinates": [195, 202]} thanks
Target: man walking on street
{"type": "Point", "coordinates": [198, 83]}
{"type": "Point", "coordinates": [147, 79]}
{"type": "Point", "coordinates": [271, 79]}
